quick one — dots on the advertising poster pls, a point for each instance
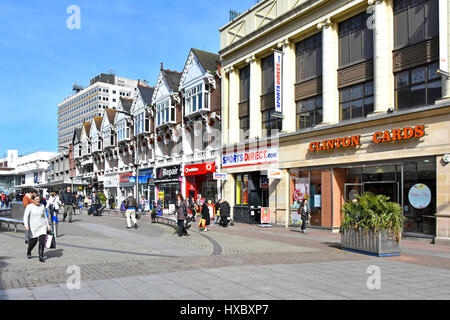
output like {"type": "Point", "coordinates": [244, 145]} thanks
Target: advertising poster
{"type": "Point", "coordinates": [265, 215]}
{"type": "Point", "coordinates": [295, 219]}
{"type": "Point", "coordinates": [419, 196]}
{"type": "Point", "coordinates": [301, 190]}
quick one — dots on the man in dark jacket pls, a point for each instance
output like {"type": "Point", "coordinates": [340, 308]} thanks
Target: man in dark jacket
{"type": "Point", "coordinates": [131, 205]}
{"type": "Point", "coordinates": [224, 212]}
{"type": "Point", "coordinates": [181, 210]}
{"type": "Point", "coordinates": [205, 215]}
{"type": "Point", "coordinates": [68, 201]}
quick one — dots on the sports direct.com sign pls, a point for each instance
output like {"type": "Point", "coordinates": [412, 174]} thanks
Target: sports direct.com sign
{"type": "Point", "coordinates": [250, 157]}
{"type": "Point", "coordinates": [278, 66]}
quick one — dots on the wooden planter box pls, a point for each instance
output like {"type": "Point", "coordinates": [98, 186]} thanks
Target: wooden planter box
{"type": "Point", "coordinates": [379, 243]}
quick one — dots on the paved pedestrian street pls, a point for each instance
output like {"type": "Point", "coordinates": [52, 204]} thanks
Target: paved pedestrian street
{"type": "Point", "coordinates": [239, 262]}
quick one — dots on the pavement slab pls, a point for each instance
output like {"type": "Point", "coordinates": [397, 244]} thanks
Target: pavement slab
{"type": "Point", "coordinates": [240, 262]}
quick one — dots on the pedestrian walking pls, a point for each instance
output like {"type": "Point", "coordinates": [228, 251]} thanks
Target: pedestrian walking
{"type": "Point", "coordinates": [182, 212]}
{"type": "Point", "coordinates": [36, 223]}
{"type": "Point", "coordinates": [131, 206]}
{"type": "Point", "coordinates": [68, 201]}
{"type": "Point", "coordinates": [3, 199]}
{"type": "Point", "coordinates": [26, 200]}
{"type": "Point", "coordinates": [111, 201]}
{"type": "Point", "coordinates": [303, 212]}
{"type": "Point", "coordinates": [193, 207]}
{"type": "Point", "coordinates": [224, 208]}
{"type": "Point", "coordinates": [95, 205]}
{"type": "Point", "coordinates": [142, 205]}
{"type": "Point", "coordinates": [8, 200]}
{"type": "Point", "coordinates": [53, 205]}
{"type": "Point", "coordinates": [205, 216]}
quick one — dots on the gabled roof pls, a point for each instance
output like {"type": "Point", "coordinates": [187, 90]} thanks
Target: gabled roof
{"type": "Point", "coordinates": [126, 104]}
{"type": "Point", "coordinates": [146, 93]}
{"type": "Point", "coordinates": [172, 79]}
{"type": "Point", "coordinates": [87, 127]}
{"type": "Point", "coordinates": [209, 61]}
{"type": "Point", "coordinates": [110, 114]}
{"type": "Point", "coordinates": [98, 122]}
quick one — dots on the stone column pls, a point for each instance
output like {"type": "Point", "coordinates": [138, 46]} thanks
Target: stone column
{"type": "Point", "coordinates": [444, 31]}
{"type": "Point", "coordinates": [289, 111]}
{"type": "Point", "coordinates": [228, 192]}
{"type": "Point", "coordinates": [255, 97]}
{"type": "Point", "coordinates": [233, 126]}
{"type": "Point", "coordinates": [330, 55]}
{"type": "Point", "coordinates": [287, 196]}
{"type": "Point", "coordinates": [383, 31]}
{"type": "Point", "coordinates": [225, 107]}
{"type": "Point", "coordinates": [442, 201]}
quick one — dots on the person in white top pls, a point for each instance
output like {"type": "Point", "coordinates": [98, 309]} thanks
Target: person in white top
{"type": "Point", "coordinates": [36, 223]}
{"type": "Point", "coordinates": [54, 204]}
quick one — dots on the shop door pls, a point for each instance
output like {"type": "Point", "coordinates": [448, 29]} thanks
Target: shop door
{"type": "Point", "coordinates": [387, 188]}
{"type": "Point", "coordinates": [255, 206]}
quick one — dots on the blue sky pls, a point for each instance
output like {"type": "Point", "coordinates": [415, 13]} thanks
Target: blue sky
{"type": "Point", "coordinates": [40, 58]}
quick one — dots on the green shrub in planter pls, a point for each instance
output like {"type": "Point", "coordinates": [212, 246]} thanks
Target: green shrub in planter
{"type": "Point", "coordinates": [372, 213]}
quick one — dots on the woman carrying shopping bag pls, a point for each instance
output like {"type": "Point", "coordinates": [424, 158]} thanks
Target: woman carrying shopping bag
{"type": "Point", "coordinates": [206, 220]}
{"type": "Point", "coordinates": [36, 223]}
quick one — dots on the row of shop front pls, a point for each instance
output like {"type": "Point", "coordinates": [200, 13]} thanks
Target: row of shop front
{"type": "Point", "coordinates": [403, 158]}
{"type": "Point", "coordinates": [164, 183]}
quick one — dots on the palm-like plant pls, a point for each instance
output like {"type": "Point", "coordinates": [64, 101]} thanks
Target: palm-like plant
{"type": "Point", "coordinates": [372, 213]}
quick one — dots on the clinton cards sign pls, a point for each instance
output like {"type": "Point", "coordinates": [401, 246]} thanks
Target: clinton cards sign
{"type": "Point", "coordinates": [250, 157]}
{"type": "Point", "coordinates": [278, 74]}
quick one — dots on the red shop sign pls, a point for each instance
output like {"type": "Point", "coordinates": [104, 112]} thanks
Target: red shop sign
{"type": "Point", "coordinates": [125, 177]}
{"type": "Point", "coordinates": [201, 168]}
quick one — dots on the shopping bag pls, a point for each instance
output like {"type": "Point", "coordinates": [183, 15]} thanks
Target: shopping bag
{"type": "Point", "coordinates": [202, 223]}
{"type": "Point", "coordinates": [50, 242]}
{"type": "Point", "coordinates": [53, 244]}
{"type": "Point", "coordinates": [27, 236]}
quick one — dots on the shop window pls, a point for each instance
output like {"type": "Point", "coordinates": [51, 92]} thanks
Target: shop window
{"type": "Point", "coordinates": [309, 58]}
{"type": "Point", "coordinates": [244, 125]}
{"type": "Point", "coordinates": [356, 101]}
{"type": "Point", "coordinates": [244, 80]}
{"type": "Point", "coordinates": [415, 21]}
{"type": "Point", "coordinates": [270, 125]}
{"type": "Point", "coordinates": [267, 77]}
{"type": "Point", "coordinates": [309, 112]}
{"type": "Point", "coordinates": [417, 86]}
{"type": "Point", "coordinates": [242, 189]}
{"type": "Point", "coordinates": [419, 196]}
{"type": "Point", "coordinates": [355, 40]}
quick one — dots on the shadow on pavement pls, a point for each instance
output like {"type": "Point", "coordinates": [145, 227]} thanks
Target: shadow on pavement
{"type": "Point", "coordinates": [53, 253]}
{"type": "Point", "coordinates": [335, 245]}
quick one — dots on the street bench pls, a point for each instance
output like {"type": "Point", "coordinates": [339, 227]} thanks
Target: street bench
{"type": "Point", "coordinates": [170, 221]}
{"type": "Point", "coordinates": [9, 221]}
{"type": "Point", "coordinates": [5, 213]}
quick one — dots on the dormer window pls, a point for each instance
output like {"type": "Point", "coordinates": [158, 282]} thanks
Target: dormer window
{"type": "Point", "coordinates": [123, 131]}
{"type": "Point", "coordinates": [165, 113]}
{"type": "Point", "coordinates": [196, 99]}
{"type": "Point", "coordinates": [141, 123]}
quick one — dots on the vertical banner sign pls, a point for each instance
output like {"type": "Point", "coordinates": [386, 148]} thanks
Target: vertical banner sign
{"type": "Point", "coordinates": [443, 40]}
{"type": "Point", "coordinates": [265, 215]}
{"type": "Point", "coordinates": [278, 74]}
